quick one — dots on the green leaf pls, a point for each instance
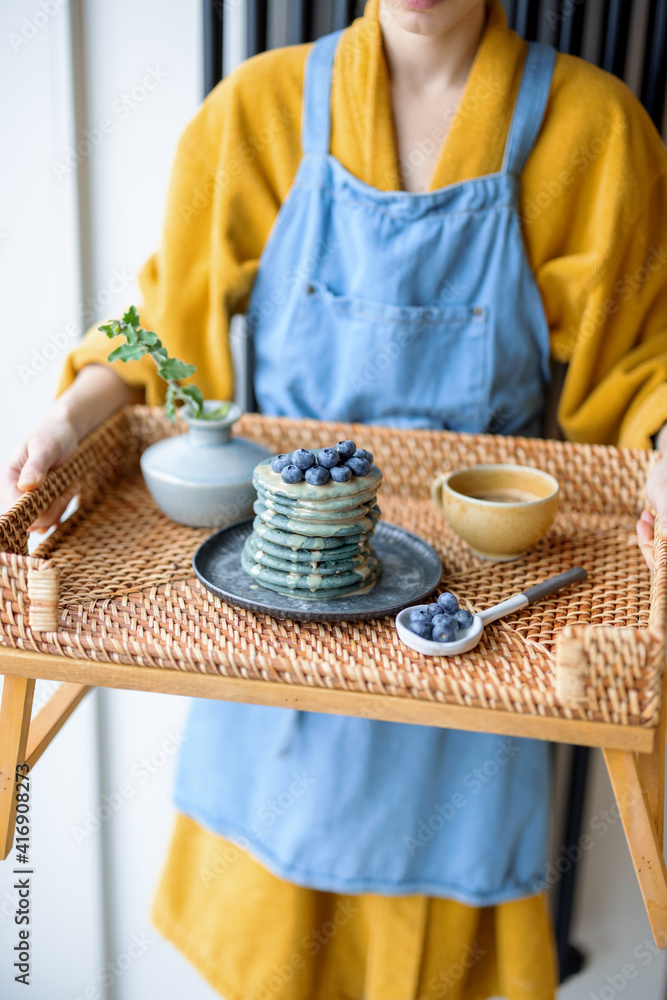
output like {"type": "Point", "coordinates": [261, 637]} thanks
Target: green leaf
{"type": "Point", "coordinates": [218, 413]}
{"type": "Point", "coordinates": [127, 352]}
{"type": "Point", "coordinates": [111, 329]}
{"type": "Point", "coordinates": [147, 337]}
{"type": "Point", "coordinates": [172, 368]}
{"type": "Point", "coordinates": [139, 342]}
{"type": "Point", "coordinates": [131, 317]}
{"type": "Point", "coordinates": [194, 399]}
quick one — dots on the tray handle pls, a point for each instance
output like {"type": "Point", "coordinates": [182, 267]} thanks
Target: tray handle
{"type": "Point", "coordinates": [30, 591]}
{"type": "Point", "coordinates": [658, 616]}
{"type": "Point", "coordinates": [99, 459]}
{"type": "Point", "coordinates": [573, 674]}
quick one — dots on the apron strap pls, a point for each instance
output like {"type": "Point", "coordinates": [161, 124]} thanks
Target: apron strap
{"type": "Point", "coordinates": [530, 106]}
{"type": "Point", "coordinates": [316, 120]}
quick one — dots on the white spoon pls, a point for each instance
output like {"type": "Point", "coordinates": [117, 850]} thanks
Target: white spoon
{"type": "Point", "coordinates": [468, 638]}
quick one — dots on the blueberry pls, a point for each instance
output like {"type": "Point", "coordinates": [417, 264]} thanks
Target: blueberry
{"type": "Point", "coordinates": [362, 453]}
{"type": "Point", "coordinates": [303, 459]}
{"type": "Point", "coordinates": [420, 615]}
{"type": "Point", "coordinates": [444, 631]}
{"type": "Point", "coordinates": [346, 449]}
{"type": "Point", "coordinates": [280, 461]}
{"type": "Point", "coordinates": [421, 628]}
{"type": "Point", "coordinates": [327, 457]}
{"type": "Point", "coordinates": [445, 617]}
{"type": "Point", "coordinates": [435, 609]}
{"type": "Point", "coordinates": [341, 474]}
{"type": "Point", "coordinates": [317, 475]}
{"type": "Point", "coordinates": [291, 474]}
{"type": "Point", "coordinates": [463, 618]}
{"type": "Point", "coordinates": [359, 466]}
{"type": "Point", "coordinates": [448, 603]}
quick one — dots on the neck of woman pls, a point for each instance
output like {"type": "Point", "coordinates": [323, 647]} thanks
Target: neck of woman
{"type": "Point", "coordinates": [433, 49]}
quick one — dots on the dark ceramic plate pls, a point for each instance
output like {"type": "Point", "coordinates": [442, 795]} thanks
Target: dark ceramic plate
{"type": "Point", "coordinates": [411, 570]}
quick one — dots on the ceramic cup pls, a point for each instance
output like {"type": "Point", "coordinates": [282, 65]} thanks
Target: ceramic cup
{"type": "Point", "coordinates": [501, 511]}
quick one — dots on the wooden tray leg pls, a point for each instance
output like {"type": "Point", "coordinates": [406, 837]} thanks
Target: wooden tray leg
{"type": "Point", "coordinates": [638, 782]}
{"type": "Point", "coordinates": [15, 711]}
{"type": "Point", "coordinates": [24, 741]}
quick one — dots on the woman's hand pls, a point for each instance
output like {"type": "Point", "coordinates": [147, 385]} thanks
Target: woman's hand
{"type": "Point", "coordinates": [47, 446]}
{"type": "Point", "coordinates": [95, 394]}
{"type": "Point", "coordinates": [656, 496]}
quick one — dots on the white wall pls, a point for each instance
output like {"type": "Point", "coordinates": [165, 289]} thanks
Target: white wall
{"type": "Point", "coordinates": [40, 293]}
{"type": "Point", "coordinates": [93, 886]}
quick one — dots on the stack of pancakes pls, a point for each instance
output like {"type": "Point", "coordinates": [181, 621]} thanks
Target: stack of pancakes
{"type": "Point", "coordinates": [313, 541]}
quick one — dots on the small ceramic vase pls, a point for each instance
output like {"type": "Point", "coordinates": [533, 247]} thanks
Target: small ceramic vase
{"type": "Point", "coordinates": [204, 478]}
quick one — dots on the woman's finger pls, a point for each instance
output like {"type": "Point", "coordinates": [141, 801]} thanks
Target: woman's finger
{"type": "Point", "coordinates": [645, 539]}
{"type": "Point", "coordinates": [9, 492]}
{"type": "Point", "coordinates": [53, 514]}
{"type": "Point", "coordinates": [43, 453]}
{"type": "Point", "coordinates": [656, 493]}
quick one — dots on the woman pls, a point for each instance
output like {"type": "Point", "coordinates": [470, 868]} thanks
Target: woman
{"type": "Point", "coordinates": [429, 188]}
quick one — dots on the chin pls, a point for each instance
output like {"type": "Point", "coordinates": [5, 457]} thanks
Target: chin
{"type": "Point", "coordinates": [426, 17]}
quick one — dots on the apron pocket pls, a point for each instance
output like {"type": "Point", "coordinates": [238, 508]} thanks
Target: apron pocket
{"type": "Point", "coordinates": [354, 359]}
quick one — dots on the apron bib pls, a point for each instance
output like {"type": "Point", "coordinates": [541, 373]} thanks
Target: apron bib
{"type": "Point", "coordinates": [407, 309]}
{"type": "Point", "coordinates": [414, 310]}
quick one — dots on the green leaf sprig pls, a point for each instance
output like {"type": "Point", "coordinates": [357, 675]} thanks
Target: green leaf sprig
{"type": "Point", "coordinates": [139, 342]}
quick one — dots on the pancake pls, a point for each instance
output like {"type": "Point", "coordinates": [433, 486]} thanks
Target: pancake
{"type": "Point", "coordinates": [304, 493]}
{"type": "Point", "coordinates": [336, 504]}
{"type": "Point", "coordinates": [321, 592]}
{"type": "Point", "coordinates": [290, 509]}
{"type": "Point", "coordinates": [312, 582]}
{"type": "Point", "coordinates": [353, 524]}
{"type": "Point", "coordinates": [313, 542]}
{"type": "Point", "coordinates": [308, 555]}
{"type": "Point", "coordinates": [295, 542]}
{"type": "Point", "coordinates": [325, 567]}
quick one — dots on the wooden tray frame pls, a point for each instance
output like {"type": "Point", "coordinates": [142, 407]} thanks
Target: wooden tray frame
{"type": "Point", "coordinates": [634, 755]}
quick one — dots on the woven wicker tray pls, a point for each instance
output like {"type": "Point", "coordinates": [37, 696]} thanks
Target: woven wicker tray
{"type": "Point", "coordinates": [114, 584]}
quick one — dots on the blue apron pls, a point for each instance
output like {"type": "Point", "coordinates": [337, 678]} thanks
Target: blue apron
{"type": "Point", "coordinates": [415, 310]}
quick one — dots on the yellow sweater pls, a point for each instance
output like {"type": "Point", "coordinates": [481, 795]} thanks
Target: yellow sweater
{"type": "Point", "coordinates": [593, 203]}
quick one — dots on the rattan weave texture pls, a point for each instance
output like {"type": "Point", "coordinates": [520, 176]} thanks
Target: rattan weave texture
{"type": "Point", "coordinates": [126, 592]}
